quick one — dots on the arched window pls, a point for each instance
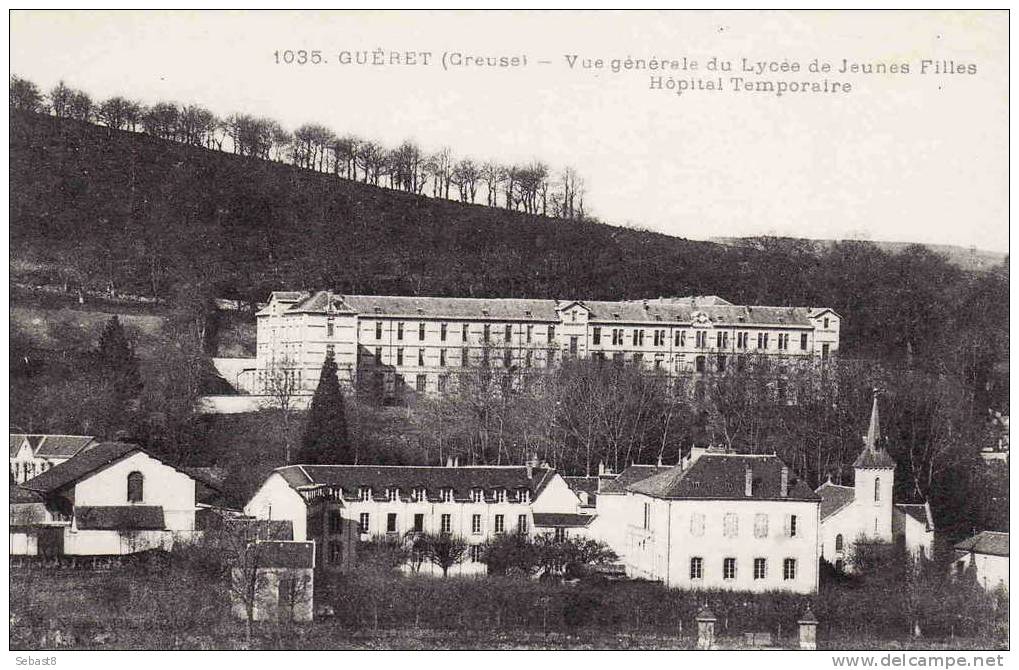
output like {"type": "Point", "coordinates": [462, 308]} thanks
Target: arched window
{"type": "Point", "coordinates": [877, 489]}
{"type": "Point", "coordinates": [135, 487]}
{"type": "Point", "coordinates": [838, 542]}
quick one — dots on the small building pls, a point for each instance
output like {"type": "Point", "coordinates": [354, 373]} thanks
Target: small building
{"type": "Point", "coordinates": [33, 454]}
{"type": "Point", "coordinates": [913, 525]}
{"type": "Point", "coordinates": [563, 525]}
{"type": "Point", "coordinates": [275, 580]}
{"type": "Point", "coordinates": [339, 506]}
{"type": "Point", "coordinates": [987, 553]}
{"type": "Point", "coordinates": [110, 499]}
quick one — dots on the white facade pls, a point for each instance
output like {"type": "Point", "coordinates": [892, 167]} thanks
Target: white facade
{"type": "Point", "coordinates": [992, 571]}
{"type": "Point", "coordinates": [419, 345]}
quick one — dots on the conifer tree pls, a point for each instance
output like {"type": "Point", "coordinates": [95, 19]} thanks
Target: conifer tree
{"type": "Point", "coordinates": [325, 438]}
{"type": "Point", "coordinates": [117, 360]}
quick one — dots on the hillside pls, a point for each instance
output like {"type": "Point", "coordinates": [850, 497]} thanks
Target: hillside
{"type": "Point", "coordinates": [143, 214]}
{"type": "Point", "coordinates": [967, 258]}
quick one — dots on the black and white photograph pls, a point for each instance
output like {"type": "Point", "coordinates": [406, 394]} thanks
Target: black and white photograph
{"type": "Point", "coordinates": [509, 330]}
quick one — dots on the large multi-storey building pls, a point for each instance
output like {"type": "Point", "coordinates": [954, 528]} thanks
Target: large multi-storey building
{"type": "Point", "coordinates": [418, 344]}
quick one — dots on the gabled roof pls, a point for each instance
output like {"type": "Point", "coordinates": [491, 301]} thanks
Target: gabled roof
{"type": "Point", "coordinates": [120, 517]}
{"type": "Point", "coordinates": [921, 513]}
{"type": "Point", "coordinates": [85, 463]}
{"type": "Point", "coordinates": [433, 478]}
{"type": "Point", "coordinates": [874, 455]}
{"type": "Point", "coordinates": [986, 542]}
{"type": "Point", "coordinates": [681, 310]}
{"type": "Point", "coordinates": [716, 476]}
{"type": "Point", "coordinates": [834, 498]}
{"type": "Point", "coordinates": [50, 446]}
{"type": "Point", "coordinates": [562, 520]}
{"type": "Point", "coordinates": [631, 475]}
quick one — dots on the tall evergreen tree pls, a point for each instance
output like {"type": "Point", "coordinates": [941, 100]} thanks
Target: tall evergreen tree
{"type": "Point", "coordinates": [117, 360]}
{"type": "Point", "coordinates": [325, 438]}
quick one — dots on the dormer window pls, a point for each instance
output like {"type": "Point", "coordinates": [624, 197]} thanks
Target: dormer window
{"type": "Point", "coordinates": [364, 493]}
{"type": "Point", "coordinates": [393, 495]}
{"type": "Point", "coordinates": [500, 495]}
{"type": "Point", "coordinates": [418, 495]}
{"type": "Point", "coordinates": [446, 495]}
{"type": "Point", "coordinates": [524, 496]}
{"type": "Point", "coordinates": [477, 495]}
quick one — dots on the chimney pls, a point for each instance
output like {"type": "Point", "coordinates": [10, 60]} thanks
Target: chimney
{"type": "Point", "coordinates": [456, 462]}
{"type": "Point", "coordinates": [601, 468]}
{"type": "Point", "coordinates": [659, 460]}
{"type": "Point", "coordinates": [696, 452]}
{"type": "Point", "coordinates": [748, 482]}
{"type": "Point", "coordinates": [784, 486]}
{"type": "Point", "coordinates": [449, 462]}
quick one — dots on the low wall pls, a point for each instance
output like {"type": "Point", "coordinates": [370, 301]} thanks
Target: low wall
{"type": "Point", "coordinates": [240, 404]}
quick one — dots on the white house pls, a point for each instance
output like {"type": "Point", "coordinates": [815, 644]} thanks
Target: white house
{"type": "Point", "coordinates": [110, 499]}
{"type": "Point", "coordinates": [866, 510]}
{"type": "Point", "coordinates": [340, 505]}
{"type": "Point", "coordinates": [275, 580]}
{"type": "Point", "coordinates": [987, 551]}
{"type": "Point", "coordinates": [31, 455]}
{"type": "Point", "coordinates": [719, 520]}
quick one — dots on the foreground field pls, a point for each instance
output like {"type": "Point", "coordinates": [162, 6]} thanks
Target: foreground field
{"type": "Point", "coordinates": [129, 609]}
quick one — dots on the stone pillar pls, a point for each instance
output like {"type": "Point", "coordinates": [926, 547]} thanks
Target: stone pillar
{"type": "Point", "coordinates": [808, 630]}
{"type": "Point", "coordinates": [705, 628]}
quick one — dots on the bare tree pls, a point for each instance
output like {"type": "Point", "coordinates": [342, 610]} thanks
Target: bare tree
{"type": "Point", "coordinates": [60, 99]}
{"type": "Point", "coordinates": [25, 95]}
{"type": "Point", "coordinates": [493, 174]}
{"type": "Point", "coordinates": [282, 389]}
{"type": "Point", "coordinates": [465, 177]}
{"type": "Point", "coordinates": [440, 166]}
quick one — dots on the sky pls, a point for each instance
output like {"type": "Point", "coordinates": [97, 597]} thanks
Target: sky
{"type": "Point", "coordinates": [901, 157]}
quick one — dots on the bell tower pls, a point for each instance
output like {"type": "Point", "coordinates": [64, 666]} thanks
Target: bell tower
{"type": "Point", "coordinates": [874, 479]}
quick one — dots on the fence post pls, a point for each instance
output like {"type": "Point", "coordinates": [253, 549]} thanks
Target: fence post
{"type": "Point", "coordinates": [705, 628]}
{"type": "Point", "coordinates": [808, 630]}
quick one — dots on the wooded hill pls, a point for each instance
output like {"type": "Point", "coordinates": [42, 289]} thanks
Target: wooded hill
{"type": "Point", "coordinates": [128, 212]}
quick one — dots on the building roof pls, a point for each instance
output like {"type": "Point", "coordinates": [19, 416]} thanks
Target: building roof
{"type": "Point", "coordinates": [699, 309]}
{"type": "Point", "coordinates": [462, 479]}
{"type": "Point", "coordinates": [986, 542]}
{"type": "Point", "coordinates": [631, 475]}
{"type": "Point", "coordinates": [280, 554]}
{"type": "Point", "coordinates": [921, 513]}
{"type": "Point", "coordinates": [585, 484]}
{"type": "Point", "coordinates": [722, 476]}
{"type": "Point", "coordinates": [120, 517]}
{"type": "Point", "coordinates": [50, 446]}
{"type": "Point", "coordinates": [834, 497]}
{"type": "Point", "coordinates": [85, 463]}
{"type": "Point", "coordinates": [18, 494]}
{"type": "Point", "coordinates": [562, 520]}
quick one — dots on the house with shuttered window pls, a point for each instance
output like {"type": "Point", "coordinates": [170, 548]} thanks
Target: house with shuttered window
{"type": "Point", "coordinates": [717, 520]}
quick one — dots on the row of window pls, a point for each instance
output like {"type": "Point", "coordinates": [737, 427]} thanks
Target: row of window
{"type": "Point", "coordinates": [729, 568]}
{"type": "Point", "coordinates": [484, 356]}
{"type": "Point", "coordinates": [487, 331]}
{"type": "Point", "coordinates": [420, 494]}
{"type": "Point", "coordinates": [730, 524]}
{"type": "Point", "coordinates": [418, 525]}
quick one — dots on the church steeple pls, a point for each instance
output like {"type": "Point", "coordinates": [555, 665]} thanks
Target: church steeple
{"type": "Point", "coordinates": [873, 454]}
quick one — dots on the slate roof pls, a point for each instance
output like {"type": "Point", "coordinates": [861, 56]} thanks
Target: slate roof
{"type": "Point", "coordinates": [433, 478]}
{"type": "Point", "coordinates": [280, 554]}
{"type": "Point", "coordinates": [586, 484]}
{"type": "Point", "coordinates": [874, 458]}
{"type": "Point", "coordinates": [50, 446]}
{"type": "Point", "coordinates": [834, 497]}
{"type": "Point", "coordinates": [716, 476]}
{"type": "Point", "coordinates": [85, 463]}
{"type": "Point", "coordinates": [19, 494]}
{"type": "Point", "coordinates": [986, 542]}
{"type": "Point", "coordinates": [681, 310]}
{"type": "Point", "coordinates": [562, 520]}
{"type": "Point", "coordinates": [631, 475]}
{"type": "Point", "coordinates": [120, 517]}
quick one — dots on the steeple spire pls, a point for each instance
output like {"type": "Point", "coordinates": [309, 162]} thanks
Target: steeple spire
{"type": "Point", "coordinates": [873, 436]}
